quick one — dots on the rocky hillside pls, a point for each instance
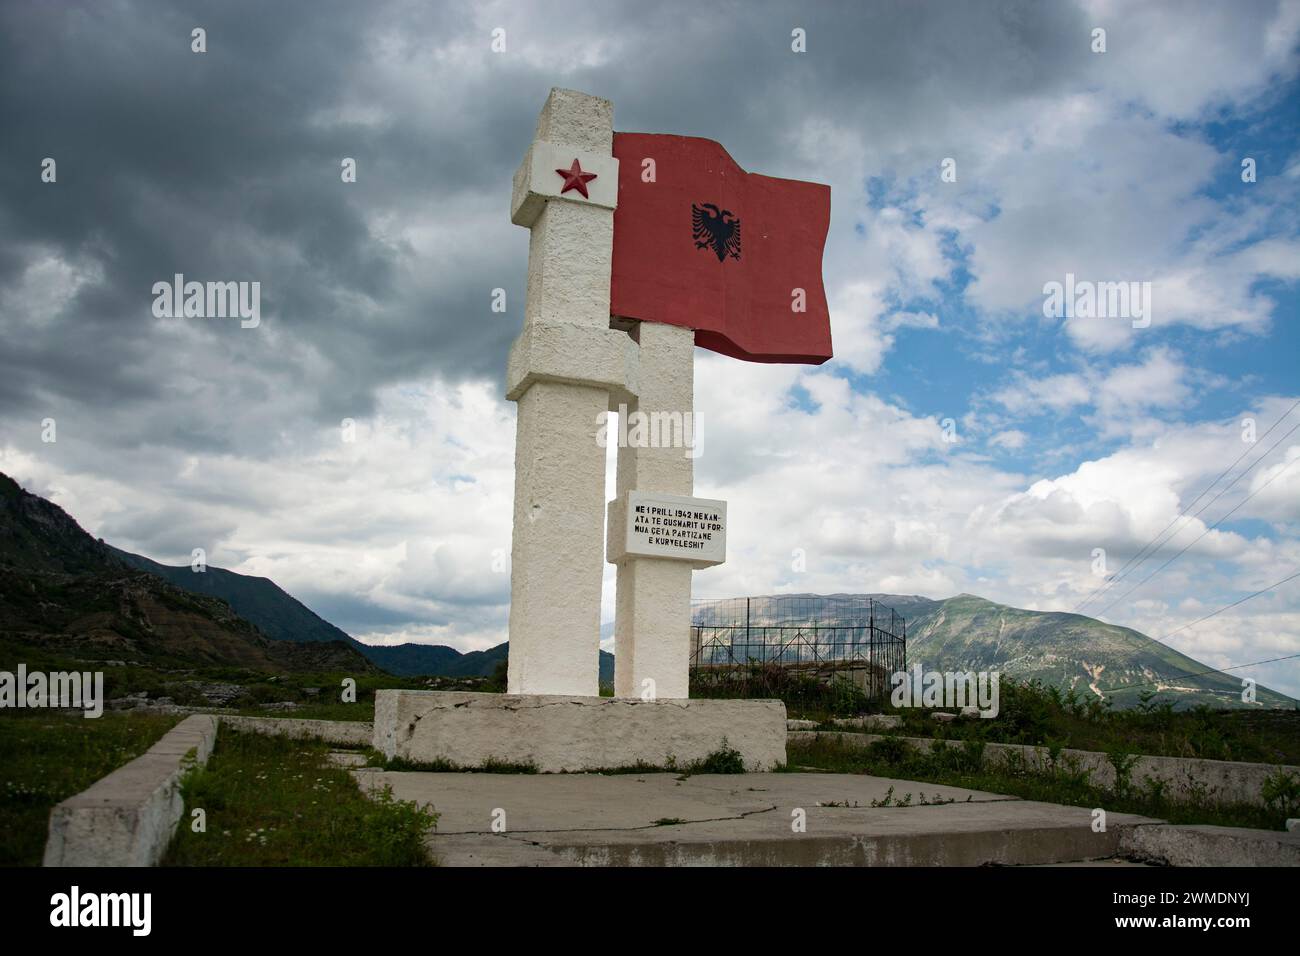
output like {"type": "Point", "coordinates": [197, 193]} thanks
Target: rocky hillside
{"type": "Point", "coordinates": [276, 613]}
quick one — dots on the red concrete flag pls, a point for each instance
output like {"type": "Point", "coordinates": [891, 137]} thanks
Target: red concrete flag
{"type": "Point", "coordinates": [711, 247]}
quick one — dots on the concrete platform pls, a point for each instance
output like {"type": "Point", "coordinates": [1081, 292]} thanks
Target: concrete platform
{"type": "Point", "coordinates": [741, 820]}
{"type": "Point", "coordinates": [558, 734]}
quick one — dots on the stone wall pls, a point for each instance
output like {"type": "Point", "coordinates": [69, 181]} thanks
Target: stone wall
{"type": "Point", "coordinates": [348, 733]}
{"type": "Point", "coordinates": [1226, 781]}
{"type": "Point", "coordinates": [129, 817]}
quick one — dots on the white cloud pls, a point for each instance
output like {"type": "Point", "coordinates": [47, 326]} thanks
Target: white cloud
{"type": "Point", "coordinates": [1067, 162]}
{"type": "Point", "coordinates": [1012, 439]}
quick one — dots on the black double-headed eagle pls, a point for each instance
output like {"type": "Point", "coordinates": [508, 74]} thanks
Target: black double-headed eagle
{"type": "Point", "coordinates": [716, 229]}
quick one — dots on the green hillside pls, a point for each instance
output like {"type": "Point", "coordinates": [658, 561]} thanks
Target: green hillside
{"type": "Point", "coordinates": [1065, 650]}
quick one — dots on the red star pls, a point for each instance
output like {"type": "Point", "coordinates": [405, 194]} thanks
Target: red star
{"type": "Point", "coordinates": [575, 178]}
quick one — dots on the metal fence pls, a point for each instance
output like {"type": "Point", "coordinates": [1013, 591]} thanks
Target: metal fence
{"type": "Point", "coordinates": [824, 652]}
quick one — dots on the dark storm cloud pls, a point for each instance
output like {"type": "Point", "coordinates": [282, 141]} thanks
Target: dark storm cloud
{"type": "Point", "coordinates": [173, 531]}
{"type": "Point", "coordinates": [212, 165]}
{"type": "Point", "coordinates": [359, 616]}
{"type": "Point", "coordinates": [225, 166]}
{"type": "Point", "coordinates": [219, 165]}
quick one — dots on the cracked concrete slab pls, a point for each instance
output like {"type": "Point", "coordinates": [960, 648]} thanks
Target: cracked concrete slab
{"type": "Point", "coordinates": [659, 819]}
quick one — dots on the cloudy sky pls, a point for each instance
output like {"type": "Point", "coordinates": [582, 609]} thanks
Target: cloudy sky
{"type": "Point", "coordinates": [961, 440]}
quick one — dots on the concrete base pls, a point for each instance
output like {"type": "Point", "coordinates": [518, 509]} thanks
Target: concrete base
{"type": "Point", "coordinates": [556, 733]}
{"type": "Point", "coordinates": [741, 820]}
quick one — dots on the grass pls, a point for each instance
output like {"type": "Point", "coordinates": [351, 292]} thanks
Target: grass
{"type": "Point", "coordinates": [273, 801]}
{"type": "Point", "coordinates": [1033, 713]}
{"type": "Point", "coordinates": [362, 710]}
{"type": "Point", "coordinates": [48, 757]}
{"type": "Point", "coordinates": [318, 694]}
{"type": "Point", "coordinates": [769, 681]}
{"type": "Point", "coordinates": [492, 765]}
{"type": "Point", "coordinates": [1061, 782]}
{"type": "Point", "coordinates": [725, 759]}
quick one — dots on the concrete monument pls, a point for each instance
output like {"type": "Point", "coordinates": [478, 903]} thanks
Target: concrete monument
{"type": "Point", "coordinates": [617, 301]}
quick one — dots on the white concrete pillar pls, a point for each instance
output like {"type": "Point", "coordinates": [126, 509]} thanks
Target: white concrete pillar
{"type": "Point", "coordinates": [562, 369]}
{"type": "Point", "coordinates": [653, 601]}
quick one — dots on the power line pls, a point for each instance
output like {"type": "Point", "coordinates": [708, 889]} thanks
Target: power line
{"type": "Point", "coordinates": [1143, 553]}
{"type": "Point", "coordinates": [1225, 517]}
{"type": "Point", "coordinates": [1139, 556]}
{"type": "Point", "coordinates": [1201, 510]}
{"type": "Point", "coordinates": [1199, 620]}
{"type": "Point", "coordinates": [1232, 605]}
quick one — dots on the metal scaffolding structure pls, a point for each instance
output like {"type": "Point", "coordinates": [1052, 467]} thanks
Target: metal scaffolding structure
{"type": "Point", "coordinates": [831, 652]}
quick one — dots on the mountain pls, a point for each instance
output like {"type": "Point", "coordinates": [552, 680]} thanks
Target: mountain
{"type": "Point", "coordinates": [64, 592]}
{"type": "Point", "coordinates": [414, 660]}
{"type": "Point", "coordinates": [277, 614]}
{"type": "Point", "coordinates": [417, 660]}
{"type": "Point", "coordinates": [1066, 650]}
{"type": "Point", "coordinates": [282, 617]}
{"type": "Point", "coordinates": [38, 536]}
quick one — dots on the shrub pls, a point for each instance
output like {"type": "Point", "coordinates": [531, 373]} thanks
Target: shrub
{"type": "Point", "coordinates": [723, 760]}
{"type": "Point", "coordinates": [891, 750]}
{"type": "Point", "coordinates": [1281, 793]}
